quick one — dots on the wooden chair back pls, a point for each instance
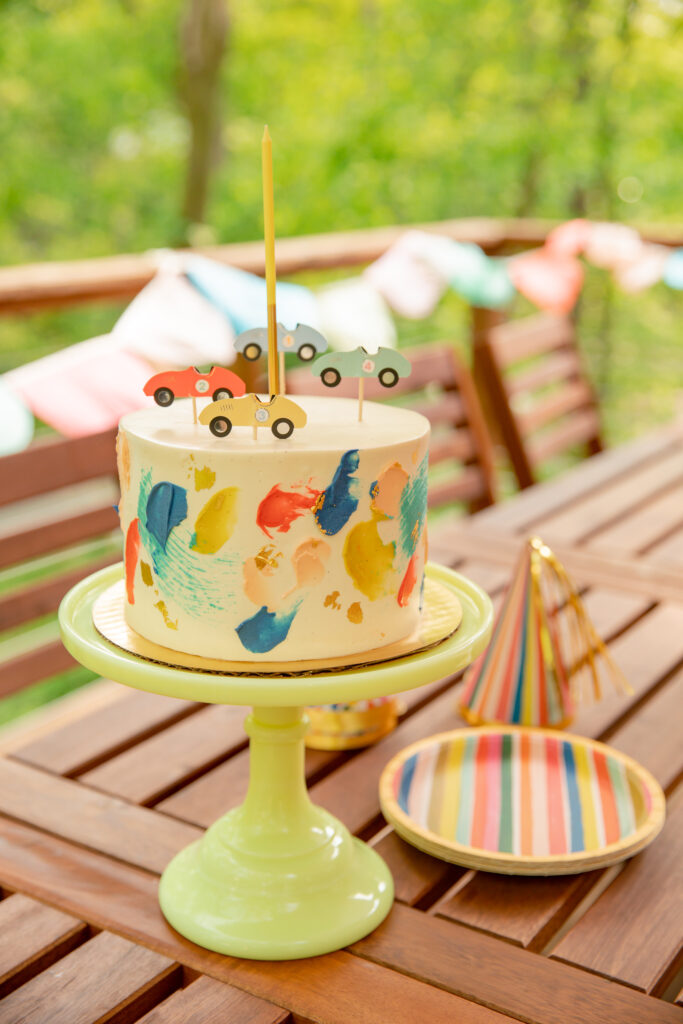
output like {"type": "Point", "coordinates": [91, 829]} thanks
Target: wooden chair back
{"type": "Point", "coordinates": [441, 388]}
{"type": "Point", "coordinates": [535, 391]}
{"type": "Point", "coordinates": [58, 523]}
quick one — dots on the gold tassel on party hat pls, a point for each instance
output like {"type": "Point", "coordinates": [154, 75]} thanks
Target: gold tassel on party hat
{"type": "Point", "coordinates": [543, 651]}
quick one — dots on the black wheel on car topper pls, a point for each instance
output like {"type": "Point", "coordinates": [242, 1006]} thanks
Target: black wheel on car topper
{"type": "Point", "coordinates": [164, 396]}
{"type": "Point", "coordinates": [330, 377]}
{"type": "Point", "coordinates": [388, 377]}
{"type": "Point", "coordinates": [306, 352]}
{"type": "Point", "coordinates": [220, 426]}
{"type": "Point", "coordinates": [252, 351]}
{"type": "Point", "coordinates": [221, 393]}
{"type": "Point", "coordinates": [282, 428]}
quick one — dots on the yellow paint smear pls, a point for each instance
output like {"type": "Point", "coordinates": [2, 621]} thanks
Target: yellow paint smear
{"type": "Point", "coordinates": [204, 478]}
{"type": "Point", "coordinates": [216, 521]}
{"type": "Point", "coordinates": [369, 562]}
{"type": "Point", "coordinates": [161, 605]}
{"type": "Point", "coordinates": [146, 573]}
{"type": "Point", "coordinates": [355, 613]}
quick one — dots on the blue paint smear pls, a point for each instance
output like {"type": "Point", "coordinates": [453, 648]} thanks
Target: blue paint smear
{"type": "Point", "coordinates": [413, 509]}
{"type": "Point", "coordinates": [203, 587]}
{"type": "Point", "coordinates": [166, 508]}
{"type": "Point", "coordinates": [575, 822]}
{"type": "Point", "coordinates": [339, 501]}
{"type": "Point", "coordinates": [265, 630]}
{"type": "Point", "coordinates": [406, 780]}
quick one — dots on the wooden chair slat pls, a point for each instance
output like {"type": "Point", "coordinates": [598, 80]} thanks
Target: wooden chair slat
{"type": "Point", "coordinates": [458, 446]}
{"type": "Point", "coordinates": [43, 598]}
{"type": "Point", "coordinates": [113, 895]}
{"type": "Point", "coordinates": [647, 899]}
{"type": "Point", "coordinates": [573, 398]}
{"type": "Point", "coordinates": [80, 814]}
{"type": "Point", "coordinates": [467, 489]}
{"type": "Point", "coordinates": [32, 666]}
{"type": "Point", "coordinates": [561, 365]}
{"type": "Point", "coordinates": [105, 732]}
{"type": "Point", "coordinates": [54, 463]}
{"type": "Point", "coordinates": [39, 936]}
{"type": "Point", "coordinates": [146, 772]}
{"type": "Point", "coordinates": [565, 435]}
{"type": "Point", "coordinates": [428, 947]}
{"type": "Point", "coordinates": [41, 540]}
{"type": "Point", "coordinates": [531, 336]}
{"type": "Point", "coordinates": [207, 1001]}
{"type": "Point", "coordinates": [93, 982]}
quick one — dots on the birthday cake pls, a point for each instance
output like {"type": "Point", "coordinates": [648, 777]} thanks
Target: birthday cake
{"type": "Point", "coordinates": [254, 548]}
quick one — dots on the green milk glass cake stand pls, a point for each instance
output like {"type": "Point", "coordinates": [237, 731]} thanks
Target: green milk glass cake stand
{"type": "Point", "coordinates": [276, 878]}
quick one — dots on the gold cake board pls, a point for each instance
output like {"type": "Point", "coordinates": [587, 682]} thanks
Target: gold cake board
{"type": "Point", "coordinates": [441, 616]}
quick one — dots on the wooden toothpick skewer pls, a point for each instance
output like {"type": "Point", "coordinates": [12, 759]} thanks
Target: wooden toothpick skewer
{"type": "Point", "coordinates": [361, 391]}
{"type": "Point", "coordinates": [194, 409]}
{"type": "Point", "coordinates": [269, 234]}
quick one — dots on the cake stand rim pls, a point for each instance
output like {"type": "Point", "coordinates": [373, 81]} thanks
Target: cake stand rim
{"type": "Point", "coordinates": [92, 650]}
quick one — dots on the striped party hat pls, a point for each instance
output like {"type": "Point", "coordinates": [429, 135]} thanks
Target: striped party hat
{"type": "Point", "coordinates": [544, 652]}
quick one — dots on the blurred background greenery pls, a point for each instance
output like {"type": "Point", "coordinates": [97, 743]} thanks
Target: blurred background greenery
{"type": "Point", "coordinates": [381, 111]}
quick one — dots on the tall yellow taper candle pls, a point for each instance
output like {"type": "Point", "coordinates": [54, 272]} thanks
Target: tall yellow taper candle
{"type": "Point", "coordinates": [269, 234]}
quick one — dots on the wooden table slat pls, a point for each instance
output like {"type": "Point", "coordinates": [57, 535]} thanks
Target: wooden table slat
{"type": "Point", "coordinates": [107, 979]}
{"type": "Point", "coordinates": [34, 937]}
{"type": "Point", "coordinates": [480, 967]}
{"type": "Point", "coordinates": [207, 1001]}
{"type": "Point", "coordinates": [647, 901]}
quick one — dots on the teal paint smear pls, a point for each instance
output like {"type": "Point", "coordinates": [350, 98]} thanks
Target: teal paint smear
{"type": "Point", "coordinates": [201, 586]}
{"type": "Point", "coordinates": [265, 630]}
{"type": "Point", "coordinates": [413, 509]}
{"type": "Point", "coordinates": [166, 508]}
{"type": "Point", "coordinates": [339, 501]}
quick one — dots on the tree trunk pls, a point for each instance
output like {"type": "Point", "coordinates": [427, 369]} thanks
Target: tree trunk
{"type": "Point", "coordinates": [203, 41]}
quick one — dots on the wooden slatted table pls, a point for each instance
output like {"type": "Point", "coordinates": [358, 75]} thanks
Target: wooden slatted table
{"type": "Point", "coordinates": [91, 812]}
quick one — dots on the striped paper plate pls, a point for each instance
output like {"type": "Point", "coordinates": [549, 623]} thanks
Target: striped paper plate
{"type": "Point", "coordinates": [521, 801]}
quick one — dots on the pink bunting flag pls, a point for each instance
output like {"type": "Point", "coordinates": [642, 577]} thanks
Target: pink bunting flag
{"type": "Point", "coordinates": [551, 282]}
{"type": "Point", "coordinates": [569, 239]}
{"type": "Point", "coordinates": [83, 389]}
{"type": "Point", "coordinates": [401, 276]}
{"type": "Point", "coordinates": [609, 245]}
{"type": "Point", "coordinates": [645, 270]}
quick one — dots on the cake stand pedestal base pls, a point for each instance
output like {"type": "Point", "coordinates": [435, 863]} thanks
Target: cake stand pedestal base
{"type": "Point", "coordinates": [276, 878]}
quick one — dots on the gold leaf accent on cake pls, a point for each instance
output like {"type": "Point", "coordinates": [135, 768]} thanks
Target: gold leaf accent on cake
{"type": "Point", "coordinates": [267, 556]}
{"type": "Point", "coordinates": [355, 613]}
{"type": "Point", "coordinates": [204, 478]}
{"type": "Point", "coordinates": [216, 521]}
{"type": "Point", "coordinates": [332, 600]}
{"type": "Point", "coordinates": [161, 605]}
{"type": "Point", "coordinates": [146, 573]}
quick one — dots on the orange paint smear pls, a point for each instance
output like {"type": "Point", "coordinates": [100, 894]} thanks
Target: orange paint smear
{"type": "Point", "coordinates": [386, 497]}
{"type": "Point", "coordinates": [408, 582]}
{"type": "Point", "coordinates": [131, 558]}
{"type": "Point", "coordinates": [279, 508]}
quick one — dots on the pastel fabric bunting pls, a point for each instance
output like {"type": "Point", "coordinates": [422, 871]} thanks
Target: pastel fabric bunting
{"type": "Point", "coordinates": [569, 239]}
{"type": "Point", "coordinates": [406, 282]}
{"type": "Point", "coordinates": [353, 313]}
{"type": "Point", "coordinates": [672, 273]}
{"type": "Point", "coordinates": [482, 281]}
{"type": "Point", "coordinates": [608, 245]}
{"type": "Point", "coordinates": [16, 421]}
{"type": "Point", "coordinates": [171, 325]}
{"type": "Point", "coordinates": [82, 389]}
{"type": "Point", "coordinates": [241, 297]}
{"type": "Point", "coordinates": [552, 283]}
{"type": "Point", "coordinates": [645, 270]}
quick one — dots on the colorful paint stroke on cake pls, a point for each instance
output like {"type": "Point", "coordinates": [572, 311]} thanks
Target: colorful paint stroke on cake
{"type": "Point", "coordinates": [204, 478]}
{"type": "Point", "coordinates": [309, 560]}
{"type": "Point", "coordinates": [413, 506]}
{"type": "Point", "coordinates": [280, 508]}
{"type": "Point", "coordinates": [518, 793]}
{"type": "Point", "coordinates": [176, 562]}
{"type": "Point", "coordinates": [337, 503]}
{"type": "Point", "coordinates": [166, 508]}
{"type": "Point", "coordinates": [216, 521]}
{"type": "Point", "coordinates": [265, 630]}
{"type": "Point", "coordinates": [131, 553]}
{"type": "Point", "coordinates": [368, 560]}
